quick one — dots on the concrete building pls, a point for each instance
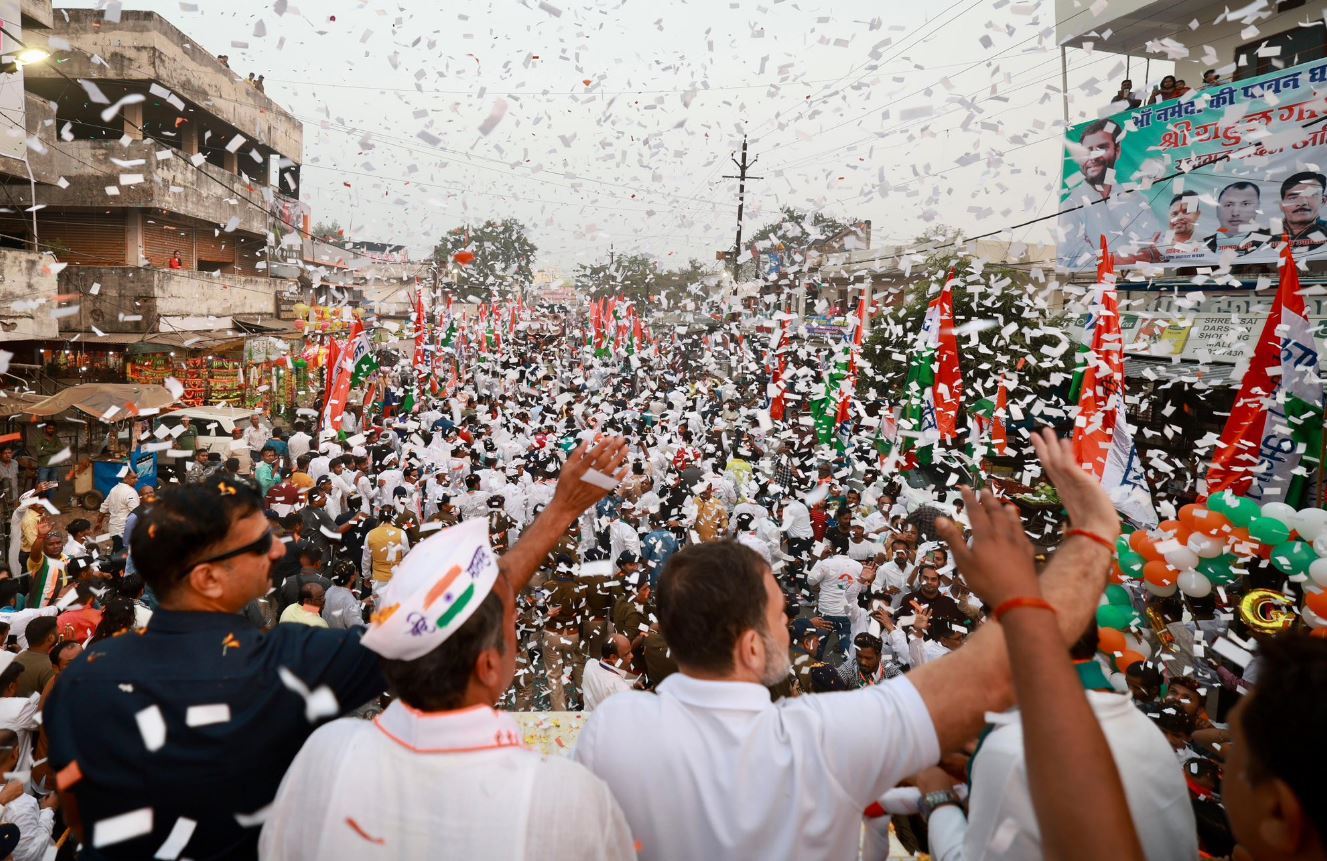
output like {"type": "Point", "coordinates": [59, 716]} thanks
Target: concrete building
{"type": "Point", "coordinates": [158, 176]}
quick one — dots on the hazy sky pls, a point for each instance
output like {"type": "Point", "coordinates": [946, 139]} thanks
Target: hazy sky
{"type": "Point", "coordinates": [907, 113]}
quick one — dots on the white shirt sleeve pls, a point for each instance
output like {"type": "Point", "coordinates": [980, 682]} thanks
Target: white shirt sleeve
{"type": "Point", "coordinates": [34, 827]}
{"type": "Point", "coordinates": [876, 736]}
{"type": "Point", "coordinates": [1000, 801]}
{"type": "Point", "coordinates": [947, 828]}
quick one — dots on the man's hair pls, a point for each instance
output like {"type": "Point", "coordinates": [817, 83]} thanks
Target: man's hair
{"type": "Point", "coordinates": [40, 629]}
{"type": "Point", "coordinates": [1283, 716]}
{"type": "Point", "coordinates": [1303, 176]}
{"type": "Point", "coordinates": [232, 464]}
{"type": "Point", "coordinates": [1242, 185]}
{"type": "Point", "coordinates": [79, 525]}
{"type": "Point", "coordinates": [300, 426]}
{"type": "Point", "coordinates": [303, 461]}
{"type": "Point", "coordinates": [83, 589]}
{"type": "Point", "coordinates": [608, 649]}
{"type": "Point", "coordinates": [131, 585]}
{"type": "Point", "coordinates": [59, 649]}
{"type": "Point", "coordinates": [1085, 647]}
{"type": "Point", "coordinates": [308, 592]}
{"type": "Point", "coordinates": [437, 681]}
{"type": "Point", "coordinates": [10, 674]}
{"type": "Point", "coordinates": [1108, 126]}
{"type": "Point", "coordinates": [312, 552]}
{"type": "Point", "coordinates": [185, 525]}
{"type": "Point", "coordinates": [1181, 196]}
{"type": "Point", "coordinates": [1145, 673]}
{"type": "Point", "coordinates": [343, 572]}
{"type": "Point", "coordinates": [867, 640]}
{"type": "Point", "coordinates": [709, 595]}
{"type": "Point", "coordinates": [927, 566]}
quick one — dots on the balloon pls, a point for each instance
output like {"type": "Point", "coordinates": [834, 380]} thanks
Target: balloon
{"type": "Point", "coordinates": [1220, 570]}
{"type": "Point", "coordinates": [1172, 527]}
{"type": "Point", "coordinates": [1209, 522]}
{"type": "Point", "coordinates": [1122, 545]}
{"type": "Point", "coordinates": [1317, 602]}
{"type": "Point", "coordinates": [1160, 591]}
{"type": "Point", "coordinates": [1123, 661]}
{"type": "Point", "coordinates": [1135, 643]}
{"type": "Point", "coordinates": [1318, 572]}
{"type": "Point", "coordinates": [1310, 523]}
{"type": "Point", "coordinates": [1320, 545]}
{"type": "Point", "coordinates": [1187, 513]}
{"type": "Point", "coordinates": [1132, 564]}
{"type": "Point", "coordinates": [1119, 596]}
{"type": "Point", "coordinates": [1110, 641]}
{"type": "Point", "coordinates": [1159, 574]}
{"type": "Point", "coordinates": [1115, 616]}
{"type": "Point", "coordinates": [465, 258]}
{"type": "Point", "coordinates": [1293, 558]}
{"type": "Point", "coordinates": [1182, 559]}
{"type": "Point", "coordinates": [1314, 621]}
{"type": "Point", "coordinates": [1142, 544]}
{"type": "Point", "coordinates": [1205, 546]}
{"type": "Point", "coordinates": [1237, 509]}
{"type": "Point", "coordinates": [1279, 511]}
{"type": "Point", "coordinates": [1268, 530]}
{"type": "Point", "coordinates": [1241, 544]}
{"type": "Point", "coordinates": [1194, 585]}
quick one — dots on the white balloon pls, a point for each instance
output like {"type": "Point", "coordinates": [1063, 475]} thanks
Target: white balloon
{"type": "Point", "coordinates": [1161, 591]}
{"type": "Point", "coordinates": [1279, 511]}
{"type": "Point", "coordinates": [1181, 559]}
{"type": "Point", "coordinates": [1320, 545]}
{"type": "Point", "coordinates": [1137, 644]}
{"type": "Point", "coordinates": [1194, 585]}
{"type": "Point", "coordinates": [1206, 546]}
{"type": "Point", "coordinates": [1312, 619]}
{"type": "Point", "coordinates": [1310, 523]}
{"type": "Point", "coordinates": [1318, 572]}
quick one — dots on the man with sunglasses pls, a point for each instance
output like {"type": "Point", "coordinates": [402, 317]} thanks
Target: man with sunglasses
{"type": "Point", "coordinates": [179, 737]}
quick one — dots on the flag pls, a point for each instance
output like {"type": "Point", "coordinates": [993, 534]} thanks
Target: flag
{"type": "Point", "coordinates": [845, 395]}
{"type": "Point", "coordinates": [1102, 439]}
{"type": "Point", "coordinates": [1273, 438]}
{"type": "Point", "coordinates": [999, 433]}
{"type": "Point", "coordinates": [934, 386]}
{"type": "Point", "coordinates": [355, 357]}
{"type": "Point", "coordinates": [825, 409]}
{"type": "Point", "coordinates": [1105, 266]}
{"type": "Point", "coordinates": [779, 367]}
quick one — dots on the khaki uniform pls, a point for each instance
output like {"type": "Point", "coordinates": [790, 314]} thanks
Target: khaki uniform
{"type": "Point", "coordinates": [561, 640]}
{"type": "Point", "coordinates": [659, 662]}
{"type": "Point", "coordinates": [601, 594]}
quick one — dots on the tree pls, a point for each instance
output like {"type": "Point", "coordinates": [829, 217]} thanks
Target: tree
{"type": "Point", "coordinates": [331, 231]}
{"type": "Point", "coordinates": [639, 278]}
{"type": "Point", "coordinates": [797, 229]}
{"type": "Point", "coordinates": [496, 256]}
{"type": "Point", "coordinates": [1001, 314]}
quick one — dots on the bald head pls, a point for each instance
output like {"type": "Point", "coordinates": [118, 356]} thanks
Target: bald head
{"type": "Point", "coordinates": [616, 647]}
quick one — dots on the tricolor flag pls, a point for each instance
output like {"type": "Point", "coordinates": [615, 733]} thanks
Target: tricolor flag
{"type": "Point", "coordinates": [1273, 438]}
{"type": "Point", "coordinates": [1102, 439]}
{"type": "Point", "coordinates": [778, 366]}
{"type": "Point", "coordinates": [354, 364]}
{"type": "Point", "coordinates": [934, 387]}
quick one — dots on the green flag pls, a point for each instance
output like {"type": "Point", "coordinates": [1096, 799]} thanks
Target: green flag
{"type": "Point", "coordinates": [825, 410]}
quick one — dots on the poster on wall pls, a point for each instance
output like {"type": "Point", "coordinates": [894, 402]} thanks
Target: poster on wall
{"type": "Point", "coordinates": [13, 137]}
{"type": "Point", "coordinates": [1220, 176]}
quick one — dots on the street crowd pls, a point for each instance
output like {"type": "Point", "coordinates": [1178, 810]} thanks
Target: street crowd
{"type": "Point", "coordinates": [314, 648]}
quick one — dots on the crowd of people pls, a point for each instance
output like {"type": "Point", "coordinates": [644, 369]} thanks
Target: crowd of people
{"type": "Point", "coordinates": [786, 651]}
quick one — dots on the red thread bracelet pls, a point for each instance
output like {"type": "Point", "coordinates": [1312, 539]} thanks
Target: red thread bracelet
{"type": "Point", "coordinates": [1109, 545]}
{"type": "Point", "coordinates": [1018, 603]}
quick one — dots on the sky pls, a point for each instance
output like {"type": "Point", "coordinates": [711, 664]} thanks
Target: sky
{"type": "Point", "coordinates": [610, 126]}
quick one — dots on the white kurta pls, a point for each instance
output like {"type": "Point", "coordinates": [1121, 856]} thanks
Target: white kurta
{"type": "Point", "coordinates": [438, 785]}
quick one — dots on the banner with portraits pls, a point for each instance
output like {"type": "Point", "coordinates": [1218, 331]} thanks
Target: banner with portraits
{"type": "Point", "coordinates": [1218, 177]}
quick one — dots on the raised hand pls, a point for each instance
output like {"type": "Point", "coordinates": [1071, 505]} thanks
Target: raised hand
{"type": "Point", "coordinates": [574, 493]}
{"type": "Point", "coordinates": [1084, 498]}
{"type": "Point", "coordinates": [1000, 563]}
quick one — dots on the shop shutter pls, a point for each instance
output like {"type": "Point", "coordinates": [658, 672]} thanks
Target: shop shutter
{"type": "Point", "coordinates": [85, 238]}
{"type": "Point", "coordinates": [252, 252]}
{"type": "Point", "coordinates": [214, 247]}
{"type": "Point", "coordinates": [162, 238]}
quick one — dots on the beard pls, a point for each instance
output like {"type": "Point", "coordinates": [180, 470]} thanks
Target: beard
{"type": "Point", "coordinates": [777, 663]}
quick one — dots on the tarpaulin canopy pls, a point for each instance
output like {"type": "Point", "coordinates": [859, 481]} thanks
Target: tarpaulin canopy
{"type": "Point", "coordinates": [106, 401]}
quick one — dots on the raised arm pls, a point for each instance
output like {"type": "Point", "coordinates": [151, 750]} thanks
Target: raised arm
{"type": "Point", "coordinates": [959, 689]}
{"type": "Point", "coordinates": [574, 495]}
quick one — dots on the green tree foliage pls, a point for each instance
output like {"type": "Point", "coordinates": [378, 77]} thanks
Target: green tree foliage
{"type": "Point", "coordinates": [1001, 315]}
{"type": "Point", "coordinates": [638, 277]}
{"type": "Point", "coordinates": [795, 228]}
{"type": "Point", "coordinates": [330, 231]}
{"type": "Point", "coordinates": [503, 256]}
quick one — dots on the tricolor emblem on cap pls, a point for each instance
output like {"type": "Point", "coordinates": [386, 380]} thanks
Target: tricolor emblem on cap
{"type": "Point", "coordinates": [434, 590]}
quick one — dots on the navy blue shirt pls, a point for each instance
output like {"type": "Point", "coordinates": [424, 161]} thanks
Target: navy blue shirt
{"type": "Point", "coordinates": [209, 772]}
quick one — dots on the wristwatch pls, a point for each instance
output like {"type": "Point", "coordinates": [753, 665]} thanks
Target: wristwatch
{"type": "Point", "coordinates": [933, 800]}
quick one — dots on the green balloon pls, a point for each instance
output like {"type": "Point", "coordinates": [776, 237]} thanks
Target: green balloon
{"type": "Point", "coordinates": [1293, 557]}
{"type": "Point", "coordinates": [1240, 510]}
{"type": "Point", "coordinates": [1269, 530]}
{"type": "Point", "coordinates": [1118, 595]}
{"type": "Point", "coordinates": [1132, 565]}
{"type": "Point", "coordinates": [1122, 545]}
{"type": "Point", "coordinates": [1221, 570]}
{"type": "Point", "coordinates": [1115, 616]}
{"type": "Point", "coordinates": [1221, 502]}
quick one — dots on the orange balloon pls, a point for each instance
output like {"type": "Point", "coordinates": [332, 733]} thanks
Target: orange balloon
{"type": "Point", "coordinates": [1142, 544]}
{"type": "Point", "coordinates": [1170, 527]}
{"type": "Point", "coordinates": [1319, 632]}
{"type": "Point", "coordinates": [1124, 661]}
{"type": "Point", "coordinates": [1240, 543]}
{"type": "Point", "coordinates": [1189, 513]}
{"type": "Point", "coordinates": [1317, 602]}
{"type": "Point", "coordinates": [1211, 523]}
{"type": "Point", "coordinates": [1183, 535]}
{"type": "Point", "coordinates": [1160, 574]}
{"type": "Point", "coordinates": [1111, 641]}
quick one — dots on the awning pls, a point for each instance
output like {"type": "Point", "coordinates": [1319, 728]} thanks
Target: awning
{"type": "Point", "coordinates": [105, 401]}
{"type": "Point", "coordinates": [1202, 375]}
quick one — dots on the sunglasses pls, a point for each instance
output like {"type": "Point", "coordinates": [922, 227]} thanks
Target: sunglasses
{"type": "Point", "coordinates": [261, 547]}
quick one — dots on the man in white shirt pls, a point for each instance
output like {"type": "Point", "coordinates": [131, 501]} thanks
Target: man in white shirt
{"type": "Point", "coordinates": [117, 506]}
{"type": "Point", "coordinates": [839, 581]}
{"type": "Point", "coordinates": [449, 654]}
{"type": "Point", "coordinates": [608, 675]}
{"type": "Point", "coordinates": [256, 435]}
{"type": "Point", "coordinates": [729, 774]}
{"type": "Point", "coordinates": [891, 579]}
{"type": "Point", "coordinates": [300, 441]}
{"type": "Point", "coordinates": [999, 802]}
{"type": "Point", "coordinates": [859, 548]}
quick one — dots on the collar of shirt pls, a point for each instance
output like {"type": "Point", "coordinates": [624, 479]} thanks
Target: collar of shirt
{"type": "Point", "coordinates": [461, 731]}
{"type": "Point", "coordinates": [184, 622]}
{"type": "Point", "coordinates": [742, 696]}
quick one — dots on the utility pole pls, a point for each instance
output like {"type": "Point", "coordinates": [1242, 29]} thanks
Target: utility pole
{"type": "Point", "coordinates": [742, 167]}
